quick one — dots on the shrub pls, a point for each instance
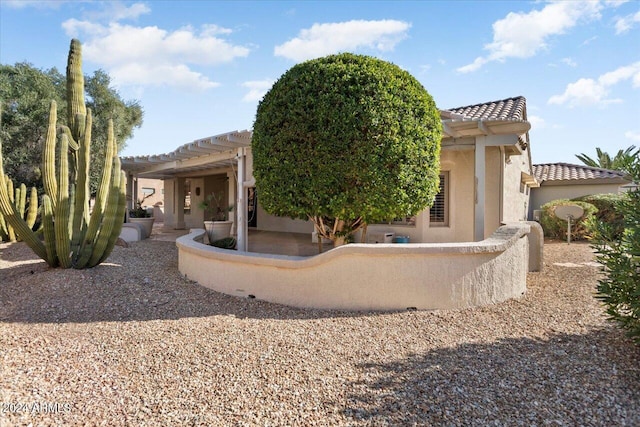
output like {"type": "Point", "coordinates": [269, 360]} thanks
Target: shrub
{"type": "Point", "coordinates": [556, 228]}
{"type": "Point", "coordinates": [346, 140]}
{"type": "Point", "coordinates": [607, 211]}
{"type": "Point", "coordinates": [226, 243]}
{"type": "Point", "coordinates": [619, 289]}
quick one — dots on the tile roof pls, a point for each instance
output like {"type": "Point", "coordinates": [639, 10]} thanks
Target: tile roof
{"type": "Point", "coordinates": [505, 109]}
{"type": "Point", "coordinates": [567, 171]}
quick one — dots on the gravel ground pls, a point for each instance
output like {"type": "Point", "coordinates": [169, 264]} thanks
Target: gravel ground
{"type": "Point", "coordinates": [133, 343]}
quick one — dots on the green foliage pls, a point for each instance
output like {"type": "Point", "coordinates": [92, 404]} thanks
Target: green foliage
{"type": "Point", "coordinates": [605, 161]}
{"type": "Point", "coordinates": [27, 93]}
{"type": "Point", "coordinates": [72, 237]}
{"type": "Point", "coordinates": [607, 211]}
{"type": "Point", "coordinates": [139, 212]}
{"type": "Point", "coordinates": [215, 207]}
{"type": "Point", "coordinates": [226, 243]}
{"type": "Point", "coordinates": [556, 228]}
{"type": "Point", "coordinates": [346, 140]}
{"type": "Point", "coordinates": [619, 289]}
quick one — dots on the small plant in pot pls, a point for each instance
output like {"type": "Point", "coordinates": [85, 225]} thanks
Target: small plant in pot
{"type": "Point", "coordinates": [139, 211]}
{"type": "Point", "coordinates": [141, 216]}
{"type": "Point", "coordinates": [219, 225]}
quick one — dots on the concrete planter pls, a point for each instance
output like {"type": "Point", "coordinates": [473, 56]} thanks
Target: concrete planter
{"type": "Point", "coordinates": [147, 224]}
{"type": "Point", "coordinates": [217, 230]}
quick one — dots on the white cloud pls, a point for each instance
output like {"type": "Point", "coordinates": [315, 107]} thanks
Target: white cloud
{"type": "Point", "coordinates": [537, 122]}
{"type": "Point", "coordinates": [257, 89]}
{"type": "Point", "coordinates": [586, 91]}
{"type": "Point", "coordinates": [325, 39]}
{"type": "Point", "coordinates": [625, 23]}
{"type": "Point", "coordinates": [38, 4]}
{"type": "Point", "coordinates": [522, 35]}
{"type": "Point", "coordinates": [118, 11]}
{"type": "Point", "coordinates": [153, 56]}
{"type": "Point", "coordinates": [570, 62]}
{"type": "Point", "coordinates": [632, 135]}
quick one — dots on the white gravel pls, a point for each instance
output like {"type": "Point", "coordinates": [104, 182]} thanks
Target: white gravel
{"type": "Point", "coordinates": [132, 343]}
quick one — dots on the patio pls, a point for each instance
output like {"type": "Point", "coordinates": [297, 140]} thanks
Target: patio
{"type": "Point", "coordinates": [267, 242]}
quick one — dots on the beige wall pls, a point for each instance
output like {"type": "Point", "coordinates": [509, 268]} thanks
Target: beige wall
{"type": "Point", "coordinates": [157, 185]}
{"type": "Point", "coordinates": [494, 170]}
{"type": "Point", "coordinates": [460, 165]}
{"type": "Point", "coordinates": [516, 196]}
{"type": "Point", "coordinates": [547, 193]}
{"type": "Point", "coordinates": [369, 277]}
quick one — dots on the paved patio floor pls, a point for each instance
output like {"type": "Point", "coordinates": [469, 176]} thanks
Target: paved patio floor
{"type": "Point", "coordinates": [270, 242]}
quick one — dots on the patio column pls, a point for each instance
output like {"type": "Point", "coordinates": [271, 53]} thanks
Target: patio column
{"type": "Point", "coordinates": [480, 163]}
{"type": "Point", "coordinates": [242, 227]}
{"type": "Point", "coordinates": [130, 189]}
{"type": "Point", "coordinates": [178, 203]}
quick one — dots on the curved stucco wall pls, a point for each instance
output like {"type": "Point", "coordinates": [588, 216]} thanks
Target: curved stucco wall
{"type": "Point", "coordinates": [426, 276]}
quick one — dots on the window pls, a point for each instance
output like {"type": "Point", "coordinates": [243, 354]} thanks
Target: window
{"type": "Point", "coordinates": [147, 191]}
{"type": "Point", "coordinates": [439, 212]}
{"type": "Point", "coordinates": [187, 196]}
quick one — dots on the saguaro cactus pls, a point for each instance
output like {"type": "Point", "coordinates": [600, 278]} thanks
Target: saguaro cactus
{"type": "Point", "coordinates": [72, 237]}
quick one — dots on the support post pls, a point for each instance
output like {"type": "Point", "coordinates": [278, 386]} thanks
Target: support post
{"type": "Point", "coordinates": [242, 227]}
{"type": "Point", "coordinates": [480, 166]}
{"type": "Point", "coordinates": [178, 203]}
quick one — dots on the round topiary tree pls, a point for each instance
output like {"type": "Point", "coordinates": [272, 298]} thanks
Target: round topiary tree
{"type": "Point", "coordinates": [346, 140]}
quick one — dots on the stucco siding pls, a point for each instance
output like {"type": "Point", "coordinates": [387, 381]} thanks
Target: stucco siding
{"type": "Point", "coordinates": [493, 194]}
{"type": "Point", "coordinates": [516, 194]}
{"type": "Point", "coordinates": [547, 193]}
{"type": "Point", "coordinates": [369, 277]}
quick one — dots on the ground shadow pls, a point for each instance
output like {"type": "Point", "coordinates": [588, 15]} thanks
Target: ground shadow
{"type": "Point", "coordinates": [120, 289]}
{"type": "Point", "coordinates": [590, 379]}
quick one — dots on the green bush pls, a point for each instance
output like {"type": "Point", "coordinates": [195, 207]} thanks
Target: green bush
{"type": "Point", "coordinates": [556, 228]}
{"type": "Point", "coordinates": [619, 289]}
{"type": "Point", "coordinates": [346, 140]}
{"type": "Point", "coordinates": [226, 243]}
{"type": "Point", "coordinates": [607, 211]}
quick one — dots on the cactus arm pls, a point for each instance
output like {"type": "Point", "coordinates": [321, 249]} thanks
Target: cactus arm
{"type": "Point", "coordinates": [101, 249]}
{"type": "Point", "coordinates": [49, 158]}
{"type": "Point", "coordinates": [32, 213]}
{"type": "Point", "coordinates": [61, 224]}
{"type": "Point", "coordinates": [11, 195]}
{"type": "Point", "coordinates": [97, 216]}
{"type": "Point", "coordinates": [21, 227]}
{"type": "Point", "coordinates": [110, 153]}
{"type": "Point", "coordinates": [81, 199]}
{"type": "Point", "coordinates": [76, 108]}
{"type": "Point", "coordinates": [118, 219]}
{"type": "Point", "coordinates": [73, 145]}
{"type": "Point", "coordinates": [21, 199]}
{"type": "Point", "coordinates": [4, 232]}
{"type": "Point", "coordinates": [49, 231]}
{"type": "Point", "coordinates": [11, 217]}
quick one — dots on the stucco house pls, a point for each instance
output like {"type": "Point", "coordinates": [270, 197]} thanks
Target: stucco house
{"type": "Point", "coordinates": [486, 178]}
{"type": "Point", "coordinates": [568, 181]}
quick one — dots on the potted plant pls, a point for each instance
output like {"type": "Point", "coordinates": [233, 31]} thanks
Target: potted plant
{"type": "Point", "coordinates": [219, 225]}
{"type": "Point", "coordinates": [141, 216]}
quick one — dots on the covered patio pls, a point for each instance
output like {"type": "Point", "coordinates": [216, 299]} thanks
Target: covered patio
{"type": "Point", "coordinates": [193, 170]}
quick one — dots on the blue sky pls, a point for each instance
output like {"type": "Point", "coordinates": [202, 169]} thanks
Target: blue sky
{"type": "Point", "coordinates": [199, 68]}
